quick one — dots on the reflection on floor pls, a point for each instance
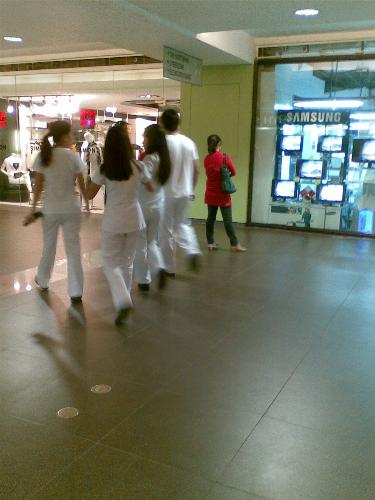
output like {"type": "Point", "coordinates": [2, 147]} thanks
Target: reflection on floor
{"type": "Point", "coordinates": [253, 379]}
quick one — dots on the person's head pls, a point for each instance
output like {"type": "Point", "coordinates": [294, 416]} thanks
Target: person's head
{"type": "Point", "coordinates": [89, 137]}
{"type": "Point", "coordinates": [213, 143]}
{"type": "Point", "coordinates": [170, 120]}
{"type": "Point", "coordinates": [61, 133]}
{"type": "Point", "coordinates": [155, 142]}
{"type": "Point", "coordinates": [118, 154]}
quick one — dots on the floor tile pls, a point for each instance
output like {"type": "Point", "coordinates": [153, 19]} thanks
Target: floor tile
{"type": "Point", "coordinates": [288, 462]}
{"type": "Point", "coordinates": [32, 454]}
{"type": "Point", "coordinates": [172, 431]}
{"type": "Point", "coordinates": [107, 473]}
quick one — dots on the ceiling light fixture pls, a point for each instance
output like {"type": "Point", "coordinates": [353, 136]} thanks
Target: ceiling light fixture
{"type": "Point", "coordinates": [13, 39]}
{"type": "Point", "coordinates": [306, 12]}
{"type": "Point", "coordinates": [329, 103]}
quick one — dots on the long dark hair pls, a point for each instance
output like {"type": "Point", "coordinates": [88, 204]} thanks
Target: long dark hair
{"type": "Point", "coordinates": [118, 154]}
{"type": "Point", "coordinates": [212, 143]}
{"type": "Point", "coordinates": [57, 130]}
{"type": "Point", "coordinates": [156, 143]}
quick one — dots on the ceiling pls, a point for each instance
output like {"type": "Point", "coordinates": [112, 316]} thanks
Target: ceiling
{"type": "Point", "coordinates": [59, 29]}
{"type": "Point", "coordinates": [80, 28]}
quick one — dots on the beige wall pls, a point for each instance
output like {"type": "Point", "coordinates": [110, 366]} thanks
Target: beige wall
{"type": "Point", "coordinates": [222, 105]}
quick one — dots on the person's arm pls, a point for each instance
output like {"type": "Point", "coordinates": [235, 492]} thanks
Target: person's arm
{"type": "Point", "coordinates": [91, 190]}
{"type": "Point", "coordinates": [82, 188]}
{"type": "Point", "coordinates": [38, 189]}
{"type": "Point", "coordinates": [145, 169]}
{"type": "Point", "coordinates": [231, 166]}
{"type": "Point", "coordinates": [195, 172]}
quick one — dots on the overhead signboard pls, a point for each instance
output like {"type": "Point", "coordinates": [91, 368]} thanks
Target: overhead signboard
{"type": "Point", "coordinates": [181, 67]}
{"type": "Point", "coordinates": [87, 118]}
{"type": "Point", "coordinates": [313, 116]}
{"type": "Point", "coordinates": [3, 119]}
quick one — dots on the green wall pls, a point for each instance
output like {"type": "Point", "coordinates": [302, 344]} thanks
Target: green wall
{"type": "Point", "coordinates": [222, 105]}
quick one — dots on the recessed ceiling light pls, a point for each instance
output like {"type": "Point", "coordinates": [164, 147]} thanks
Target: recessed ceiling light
{"type": "Point", "coordinates": [306, 12]}
{"type": "Point", "coordinates": [15, 39]}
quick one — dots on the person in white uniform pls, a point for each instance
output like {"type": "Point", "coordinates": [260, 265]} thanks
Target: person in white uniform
{"type": "Point", "coordinates": [149, 260]}
{"type": "Point", "coordinates": [179, 190]}
{"type": "Point", "coordinates": [123, 219]}
{"type": "Point", "coordinates": [57, 170]}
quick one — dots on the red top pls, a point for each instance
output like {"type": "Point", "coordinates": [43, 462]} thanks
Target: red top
{"type": "Point", "coordinates": [214, 195]}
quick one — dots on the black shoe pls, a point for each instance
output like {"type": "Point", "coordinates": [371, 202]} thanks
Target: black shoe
{"type": "Point", "coordinates": [144, 287]}
{"type": "Point", "coordinates": [162, 279]}
{"type": "Point", "coordinates": [194, 262]}
{"type": "Point", "coordinates": [43, 288]}
{"type": "Point", "coordinates": [122, 315]}
{"type": "Point", "coordinates": [170, 275]}
{"type": "Point", "coordinates": [76, 300]}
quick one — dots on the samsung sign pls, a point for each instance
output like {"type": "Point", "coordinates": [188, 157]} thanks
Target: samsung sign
{"type": "Point", "coordinates": [313, 116]}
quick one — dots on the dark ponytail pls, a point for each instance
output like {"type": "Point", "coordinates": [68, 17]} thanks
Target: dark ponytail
{"type": "Point", "coordinates": [212, 143]}
{"type": "Point", "coordinates": [156, 143]}
{"type": "Point", "coordinates": [57, 130]}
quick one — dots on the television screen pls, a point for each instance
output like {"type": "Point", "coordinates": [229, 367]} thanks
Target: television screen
{"type": "Point", "coordinates": [291, 143]}
{"type": "Point", "coordinates": [311, 169]}
{"type": "Point", "coordinates": [363, 150]}
{"type": "Point", "coordinates": [329, 143]}
{"type": "Point", "coordinates": [292, 129]}
{"type": "Point", "coordinates": [284, 189]}
{"type": "Point", "coordinates": [332, 192]}
{"type": "Point", "coordinates": [307, 191]}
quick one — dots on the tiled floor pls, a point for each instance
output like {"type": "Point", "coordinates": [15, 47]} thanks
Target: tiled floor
{"type": "Point", "coordinates": [253, 379]}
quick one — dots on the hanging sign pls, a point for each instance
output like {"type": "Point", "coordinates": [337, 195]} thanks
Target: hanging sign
{"type": "Point", "coordinates": [316, 116]}
{"type": "Point", "coordinates": [3, 119]}
{"type": "Point", "coordinates": [87, 118]}
{"type": "Point", "coordinates": [182, 67]}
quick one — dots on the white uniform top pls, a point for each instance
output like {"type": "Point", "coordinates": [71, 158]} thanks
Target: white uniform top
{"type": "Point", "coordinates": [59, 181]}
{"type": "Point", "coordinates": [13, 165]}
{"type": "Point", "coordinates": [122, 211]}
{"type": "Point", "coordinates": [183, 152]}
{"type": "Point", "coordinates": [150, 164]}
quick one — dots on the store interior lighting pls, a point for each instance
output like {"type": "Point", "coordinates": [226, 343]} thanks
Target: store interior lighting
{"type": "Point", "coordinates": [306, 12]}
{"type": "Point", "coordinates": [362, 116]}
{"type": "Point", "coordinates": [328, 103]}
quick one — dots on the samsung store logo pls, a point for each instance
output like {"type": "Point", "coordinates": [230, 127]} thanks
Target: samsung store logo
{"type": "Point", "coordinates": [305, 117]}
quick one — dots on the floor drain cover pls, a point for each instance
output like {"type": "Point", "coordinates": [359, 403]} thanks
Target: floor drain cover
{"type": "Point", "coordinates": [68, 412]}
{"type": "Point", "coordinates": [101, 389]}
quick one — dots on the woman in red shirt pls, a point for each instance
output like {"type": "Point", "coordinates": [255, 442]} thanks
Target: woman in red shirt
{"type": "Point", "coordinates": [215, 197]}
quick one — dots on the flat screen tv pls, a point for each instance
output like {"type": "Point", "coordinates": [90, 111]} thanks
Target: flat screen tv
{"type": "Point", "coordinates": [284, 189]}
{"type": "Point", "coordinates": [291, 143]}
{"type": "Point", "coordinates": [330, 144]}
{"type": "Point", "coordinates": [363, 150]}
{"type": "Point", "coordinates": [332, 193]}
{"type": "Point", "coordinates": [311, 169]}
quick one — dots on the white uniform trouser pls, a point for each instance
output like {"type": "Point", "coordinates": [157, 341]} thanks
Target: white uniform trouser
{"type": "Point", "coordinates": [148, 257]}
{"type": "Point", "coordinates": [118, 251]}
{"type": "Point", "coordinates": [176, 227]}
{"type": "Point", "coordinates": [70, 224]}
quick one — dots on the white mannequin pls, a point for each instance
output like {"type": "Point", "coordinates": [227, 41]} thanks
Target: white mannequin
{"type": "Point", "coordinates": [93, 158]}
{"type": "Point", "coordinates": [14, 168]}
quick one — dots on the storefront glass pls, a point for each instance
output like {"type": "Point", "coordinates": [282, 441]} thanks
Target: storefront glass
{"type": "Point", "coordinates": [314, 161]}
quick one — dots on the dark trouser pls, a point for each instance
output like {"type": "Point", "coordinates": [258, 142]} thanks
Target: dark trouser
{"type": "Point", "coordinates": [226, 212]}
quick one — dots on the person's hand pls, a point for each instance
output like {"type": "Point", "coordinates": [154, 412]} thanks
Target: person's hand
{"type": "Point", "coordinates": [29, 219]}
